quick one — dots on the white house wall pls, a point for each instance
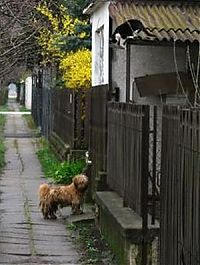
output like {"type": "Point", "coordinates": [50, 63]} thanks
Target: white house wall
{"type": "Point", "coordinates": [28, 92]}
{"type": "Point", "coordinates": [145, 60]}
{"type": "Point", "coordinates": [100, 66]}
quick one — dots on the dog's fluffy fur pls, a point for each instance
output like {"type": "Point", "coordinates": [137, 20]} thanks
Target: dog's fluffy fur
{"type": "Point", "coordinates": [51, 198]}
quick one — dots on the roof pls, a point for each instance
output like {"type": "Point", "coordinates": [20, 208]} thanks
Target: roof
{"type": "Point", "coordinates": [166, 21]}
{"type": "Point", "coordinates": [92, 7]}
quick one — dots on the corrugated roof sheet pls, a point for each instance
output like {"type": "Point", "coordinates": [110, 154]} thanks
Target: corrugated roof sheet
{"type": "Point", "coordinates": [172, 21]}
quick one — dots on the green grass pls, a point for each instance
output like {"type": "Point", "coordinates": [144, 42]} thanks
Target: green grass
{"type": "Point", "coordinates": [24, 109]}
{"type": "Point", "coordinates": [2, 143]}
{"type": "Point", "coordinates": [92, 245]}
{"type": "Point", "coordinates": [59, 172]}
{"type": "Point", "coordinates": [4, 107]}
{"type": "Point", "coordinates": [30, 121]}
{"type": "Point", "coordinates": [47, 159]}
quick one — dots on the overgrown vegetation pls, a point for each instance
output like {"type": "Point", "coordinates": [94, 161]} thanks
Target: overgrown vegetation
{"type": "Point", "coordinates": [23, 109]}
{"type": "Point", "coordinates": [2, 145]}
{"type": "Point", "coordinates": [93, 247]}
{"type": "Point", "coordinates": [59, 172]}
{"type": "Point", "coordinates": [30, 121]}
{"type": "Point", "coordinates": [65, 40]}
{"type": "Point", "coordinates": [4, 107]}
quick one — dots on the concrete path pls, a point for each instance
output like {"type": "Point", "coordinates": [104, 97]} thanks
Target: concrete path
{"type": "Point", "coordinates": [25, 237]}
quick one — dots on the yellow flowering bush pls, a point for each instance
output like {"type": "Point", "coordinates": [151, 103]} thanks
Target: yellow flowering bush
{"type": "Point", "coordinates": [62, 40]}
{"type": "Point", "coordinates": [60, 27]}
{"type": "Point", "coordinates": [50, 35]}
{"type": "Point", "coordinates": [76, 69]}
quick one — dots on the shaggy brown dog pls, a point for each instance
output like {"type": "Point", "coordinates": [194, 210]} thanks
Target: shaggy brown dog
{"type": "Point", "coordinates": [53, 197]}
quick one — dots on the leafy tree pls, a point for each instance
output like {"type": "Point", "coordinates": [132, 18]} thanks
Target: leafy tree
{"type": "Point", "coordinates": [17, 31]}
{"type": "Point", "coordinates": [65, 40]}
{"type": "Point", "coordinates": [75, 7]}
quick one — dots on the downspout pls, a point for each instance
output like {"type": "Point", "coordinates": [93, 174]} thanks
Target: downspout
{"type": "Point", "coordinates": [128, 70]}
{"type": "Point", "coordinates": [110, 60]}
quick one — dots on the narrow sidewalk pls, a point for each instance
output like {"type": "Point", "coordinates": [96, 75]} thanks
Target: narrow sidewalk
{"type": "Point", "coordinates": [25, 237]}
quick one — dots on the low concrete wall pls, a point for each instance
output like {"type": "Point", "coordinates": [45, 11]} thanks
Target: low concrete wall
{"type": "Point", "coordinates": [122, 228]}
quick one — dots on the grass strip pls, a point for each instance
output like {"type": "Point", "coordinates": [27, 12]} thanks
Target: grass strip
{"type": "Point", "coordinates": [93, 247]}
{"type": "Point", "coordinates": [2, 141]}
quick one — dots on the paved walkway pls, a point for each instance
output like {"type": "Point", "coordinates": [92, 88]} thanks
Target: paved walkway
{"type": "Point", "coordinates": [25, 237]}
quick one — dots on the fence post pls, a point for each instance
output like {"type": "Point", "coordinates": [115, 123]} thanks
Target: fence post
{"type": "Point", "coordinates": [154, 164]}
{"type": "Point", "coordinates": [144, 181]}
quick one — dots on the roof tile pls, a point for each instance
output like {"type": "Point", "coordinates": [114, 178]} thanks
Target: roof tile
{"type": "Point", "coordinates": [165, 21]}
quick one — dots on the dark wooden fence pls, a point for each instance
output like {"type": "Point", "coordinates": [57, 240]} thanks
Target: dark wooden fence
{"type": "Point", "coordinates": [81, 120]}
{"type": "Point", "coordinates": [180, 187]}
{"type": "Point", "coordinates": [128, 152]}
{"type": "Point", "coordinates": [97, 100]}
{"type": "Point", "coordinates": [63, 122]}
{"type": "Point", "coordinates": [59, 111]}
{"type": "Point", "coordinates": [69, 117]}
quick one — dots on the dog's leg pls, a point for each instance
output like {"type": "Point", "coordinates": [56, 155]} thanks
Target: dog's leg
{"type": "Point", "coordinates": [59, 210]}
{"type": "Point", "coordinates": [52, 214]}
{"type": "Point", "coordinates": [76, 208]}
{"type": "Point", "coordinates": [45, 210]}
{"type": "Point", "coordinates": [53, 207]}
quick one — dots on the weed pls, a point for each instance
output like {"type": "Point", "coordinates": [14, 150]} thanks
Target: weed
{"type": "Point", "coordinates": [60, 172]}
{"type": "Point", "coordinates": [93, 247]}
{"type": "Point", "coordinates": [30, 122]}
{"type": "Point", "coordinates": [71, 227]}
{"type": "Point", "coordinates": [48, 161]}
{"type": "Point", "coordinates": [66, 170]}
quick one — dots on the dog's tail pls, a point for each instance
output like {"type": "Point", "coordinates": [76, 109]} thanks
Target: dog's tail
{"type": "Point", "coordinates": [43, 190]}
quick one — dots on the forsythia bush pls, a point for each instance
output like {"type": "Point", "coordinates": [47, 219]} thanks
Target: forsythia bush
{"type": "Point", "coordinates": [76, 69]}
{"type": "Point", "coordinates": [56, 42]}
{"type": "Point", "coordinates": [50, 36]}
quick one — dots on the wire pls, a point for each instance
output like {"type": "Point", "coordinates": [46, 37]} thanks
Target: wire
{"type": "Point", "coordinates": [195, 80]}
{"type": "Point", "coordinates": [178, 75]}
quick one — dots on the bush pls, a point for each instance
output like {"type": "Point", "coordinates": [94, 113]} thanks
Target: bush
{"type": "Point", "coordinates": [76, 69]}
{"type": "Point", "coordinates": [59, 172]}
{"type": "Point", "coordinates": [65, 171]}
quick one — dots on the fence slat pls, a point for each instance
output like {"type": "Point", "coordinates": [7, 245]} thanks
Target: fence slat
{"type": "Point", "coordinates": [128, 147]}
{"type": "Point", "coordinates": [180, 219]}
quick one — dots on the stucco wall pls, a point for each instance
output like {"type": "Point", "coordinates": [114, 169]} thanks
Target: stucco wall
{"type": "Point", "coordinates": [145, 60]}
{"type": "Point", "coordinates": [99, 20]}
{"type": "Point", "coordinates": [28, 92]}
